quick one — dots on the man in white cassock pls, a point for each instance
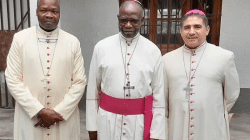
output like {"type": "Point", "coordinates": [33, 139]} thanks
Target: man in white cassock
{"type": "Point", "coordinates": [126, 69]}
{"type": "Point", "coordinates": [45, 75]}
{"type": "Point", "coordinates": [202, 84]}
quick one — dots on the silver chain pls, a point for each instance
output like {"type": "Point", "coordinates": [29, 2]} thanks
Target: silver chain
{"type": "Point", "coordinates": [189, 79]}
{"type": "Point", "coordinates": [124, 62]}
{"type": "Point", "coordinates": [40, 54]}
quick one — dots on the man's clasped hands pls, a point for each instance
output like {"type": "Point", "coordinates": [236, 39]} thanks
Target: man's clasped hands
{"type": "Point", "coordinates": [48, 117]}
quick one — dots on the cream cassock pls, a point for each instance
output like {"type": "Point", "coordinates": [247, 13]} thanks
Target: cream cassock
{"type": "Point", "coordinates": [107, 74]}
{"type": "Point", "coordinates": [61, 89]}
{"type": "Point", "coordinates": [215, 83]}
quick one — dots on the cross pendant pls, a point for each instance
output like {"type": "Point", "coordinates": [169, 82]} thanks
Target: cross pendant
{"type": "Point", "coordinates": [44, 79]}
{"type": "Point", "coordinates": [128, 87]}
{"type": "Point", "coordinates": [187, 89]}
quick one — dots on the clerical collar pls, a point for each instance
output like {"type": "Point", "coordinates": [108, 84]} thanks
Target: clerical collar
{"type": "Point", "coordinates": [52, 33]}
{"type": "Point", "coordinates": [129, 40]}
{"type": "Point", "coordinates": [200, 48]}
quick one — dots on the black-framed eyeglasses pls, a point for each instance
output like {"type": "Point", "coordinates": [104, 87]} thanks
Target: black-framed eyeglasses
{"type": "Point", "coordinates": [125, 21]}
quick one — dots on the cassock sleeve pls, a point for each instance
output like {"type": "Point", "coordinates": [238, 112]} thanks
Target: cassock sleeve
{"type": "Point", "coordinates": [14, 79]}
{"type": "Point", "coordinates": [231, 83]}
{"type": "Point", "coordinates": [166, 91]}
{"type": "Point", "coordinates": [158, 128]}
{"type": "Point", "coordinates": [92, 92]}
{"type": "Point", "coordinates": [71, 99]}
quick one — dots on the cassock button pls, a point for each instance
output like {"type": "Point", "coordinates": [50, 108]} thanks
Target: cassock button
{"type": "Point", "coordinates": [192, 126]}
{"type": "Point", "coordinates": [47, 36]}
{"type": "Point", "coordinates": [124, 123]}
{"type": "Point", "coordinates": [192, 134]}
{"type": "Point", "coordinates": [127, 74]}
{"type": "Point", "coordinates": [193, 69]}
{"type": "Point", "coordinates": [127, 95]}
{"type": "Point", "coordinates": [48, 134]}
{"type": "Point", "coordinates": [192, 110]}
{"type": "Point", "coordinates": [128, 64]}
{"type": "Point", "coordinates": [192, 77]}
{"type": "Point", "coordinates": [48, 54]}
{"type": "Point", "coordinates": [47, 47]}
{"type": "Point", "coordinates": [128, 44]}
{"type": "Point", "coordinates": [48, 103]}
{"type": "Point", "coordinates": [48, 61]}
{"type": "Point", "coordinates": [48, 96]}
{"type": "Point", "coordinates": [49, 89]}
{"type": "Point", "coordinates": [192, 85]}
{"type": "Point", "coordinates": [47, 67]}
{"type": "Point", "coordinates": [128, 54]}
{"type": "Point", "coordinates": [124, 133]}
{"type": "Point", "coordinates": [192, 102]}
{"type": "Point", "coordinates": [48, 74]}
{"type": "Point", "coordinates": [192, 93]}
{"type": "Point", "coordinates": [48, 82]}
{"type": "Point", "coordinates": [192, 118]}
{"type": "Point", "coordinates": [194, 54]}
{"type": "Point", "coordinates": [193, 61]}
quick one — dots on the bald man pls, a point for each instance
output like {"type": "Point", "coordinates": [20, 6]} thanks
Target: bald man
{"type": "Point", "coordinates": [126, 75]}
{"type": "Point", "coordinates": [45, 75]}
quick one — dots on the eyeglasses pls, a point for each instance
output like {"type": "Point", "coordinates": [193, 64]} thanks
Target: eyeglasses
{"type": "Point", "coordinates": [125, 21]}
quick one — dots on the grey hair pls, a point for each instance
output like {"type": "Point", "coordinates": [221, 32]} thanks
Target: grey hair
{"type": "Point", "coordinates": [141, 7]}
{"type": "Point", "coordinates": [203, 17]}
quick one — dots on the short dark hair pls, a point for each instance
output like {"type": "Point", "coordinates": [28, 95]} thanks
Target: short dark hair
{"type": "Point", "coordinates": [203, 17]}
{"type": "Point", "coordinates": [39, 1]}
{"type": "Point", "coordinates": [142, 9]}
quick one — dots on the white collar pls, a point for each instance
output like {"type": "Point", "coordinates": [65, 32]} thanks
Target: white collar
{"type": "Point", "coordinates": [54, 32]}
{"type": "Point", "coordinates": [129, 40]}
{"type": "Point", "coordinates": [197, 49]}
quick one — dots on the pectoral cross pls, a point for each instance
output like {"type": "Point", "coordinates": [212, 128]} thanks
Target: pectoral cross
{"type": "Point", "coordinates": [44, 79]}
{"type": "Point", "coordinates": [128, 87]}
{"type": "Point", "coordinates": [187, 89]}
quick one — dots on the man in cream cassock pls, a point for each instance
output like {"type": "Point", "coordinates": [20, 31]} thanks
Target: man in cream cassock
{"type": "Point", "coordinates": [202, 84]}
{"type": "Point", "coordinates": [45, 75]}
{"type": "Point", "coordinates": [126, 75]}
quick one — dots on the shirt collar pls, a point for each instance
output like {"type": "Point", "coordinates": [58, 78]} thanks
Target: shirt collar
{"type": "Point", "coordinates": [198, 49]}
{"type": "Point", "coordinates": [52, 33]}
{"type": "Point", "coordinates": [129, 40]}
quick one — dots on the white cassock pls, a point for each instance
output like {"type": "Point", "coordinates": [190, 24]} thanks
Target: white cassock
{"type": "Point", "coordinates": [215, 88]}
{"type": "Point", "coordinates": [107, 74]}
{"type": "Point", "coordinates": [61, 89]}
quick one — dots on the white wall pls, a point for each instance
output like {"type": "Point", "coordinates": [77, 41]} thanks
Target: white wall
{"type": "Point", "coordinates": [90, 21]}
{"type": "Point", "coordinates": [235, 35]}
{"type": "Point", "coordinates": [33, 18]}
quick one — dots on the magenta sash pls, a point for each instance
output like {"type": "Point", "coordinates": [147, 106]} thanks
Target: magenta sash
{"type": "Point", "coordinates": [130, 107]}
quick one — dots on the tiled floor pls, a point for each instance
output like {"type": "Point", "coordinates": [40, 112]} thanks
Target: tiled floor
{"type": "Point", "coordinates": [239, 126]}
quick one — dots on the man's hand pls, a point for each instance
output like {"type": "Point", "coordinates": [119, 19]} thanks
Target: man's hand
{"type": "Point", "coordinates": [93, 135]}
{"type": "Point", "coordinates": [42, 124]}
{"type": "Point", "coordinates": [49, 117]}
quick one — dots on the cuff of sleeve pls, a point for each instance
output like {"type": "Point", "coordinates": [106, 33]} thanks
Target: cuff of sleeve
{"type": "Point", "coordinates": [158, 126]}
{"type": "Point", "coordinates": [37, 109]}
{"type": "Point", "coordinates": [64, 116]}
